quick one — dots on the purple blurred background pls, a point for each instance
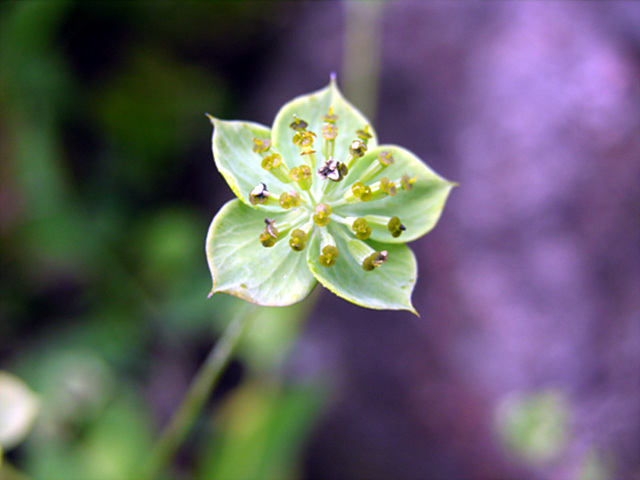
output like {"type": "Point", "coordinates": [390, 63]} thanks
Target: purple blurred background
{"type": "Point", "coordinates": [531, 280]}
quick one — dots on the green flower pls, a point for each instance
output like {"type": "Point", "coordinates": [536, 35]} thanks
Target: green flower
{"type": "Point", "coordinates": [319, 200]}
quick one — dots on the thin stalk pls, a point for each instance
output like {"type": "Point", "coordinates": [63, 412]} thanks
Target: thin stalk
{"type": "Point", "coordinates": [198, 393]}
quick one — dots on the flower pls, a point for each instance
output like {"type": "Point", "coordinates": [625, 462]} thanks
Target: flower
{"type": "Point", "coordinates": [319, 200]}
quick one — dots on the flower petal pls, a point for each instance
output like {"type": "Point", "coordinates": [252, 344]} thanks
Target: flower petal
{"type": "Point", "coordinates": [232, 144]}
{"type": "Point", "coordinates": [388, 287]}
{"type": "Point", "coordinates": [242, 267]}
{"type": "Point", "coordinates": [311, 108]}
{"type": "Point", "coordinates": [419, 208]}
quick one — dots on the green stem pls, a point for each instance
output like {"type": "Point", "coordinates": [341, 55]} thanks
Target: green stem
{"type": "Point", "coordinates": [197, 394]}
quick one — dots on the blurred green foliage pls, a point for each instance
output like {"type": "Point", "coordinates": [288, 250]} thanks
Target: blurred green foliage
{"type": "Point", "coordinates": [535, 427]}
{"type": "Point", "coordinates": [107, 188]}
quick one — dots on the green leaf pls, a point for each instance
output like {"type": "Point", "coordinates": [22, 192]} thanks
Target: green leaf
{"type": "Point", "coordinates": [311, 108]}
{"type": "Point", "coordinates": [419, 208]}
{"type": "Point", "coordinates": [388, 287]}
{"type": "Point", "coordinates": [233, 153]}
{"type": "Point", "coordinates": [242, 267]}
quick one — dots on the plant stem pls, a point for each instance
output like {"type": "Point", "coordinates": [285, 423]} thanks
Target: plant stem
{"type": "Point", "coordinates": [198, 393]}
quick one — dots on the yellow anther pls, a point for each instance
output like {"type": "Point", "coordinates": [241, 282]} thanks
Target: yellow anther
{"type": "Point", "coordinates": [407, 183]}
{"type": "Point", "coordinates": [302, 175]}
{"type": "Point", "coordinates": [298, 240]}
{"type": "Point", "coordinates": [322, 215]}
{"type": "Point", "coordinates": [396, 227]}
{"type": "Point", "coordinates": [374, 260]}
{"type": "Point", "coordinates": [329, 256]}
{"type": "Point", "coordinates": [361, 228]}
{"type": "Point", "coordinates": [364, 134]}
{"type": "Point", "coordinates": [357, 148]}
{"type": "Point", "coordinates": [272, 161]}
{"type": "Point", "coordinates": [330, 117]}
{"type": "Point", "coordinates": [329, 131]}
{"type": "Point", "coordinates": [387, 186]}
{"type": "Point", "coordinates": [298, 124]}
{"type": "Point", "coordinates": [290, 199]}
{"type": "Point", "coordinates": [261, 145]}
{"type": "Point", "coordinates": [385, 158]}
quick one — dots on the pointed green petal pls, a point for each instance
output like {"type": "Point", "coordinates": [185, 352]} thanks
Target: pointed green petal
{"type": "Point", "coordinates": [232, 144]}
{"type": "Point", "coordinates": [242, 267]}
{"type": "Point", "coordinates": [311, 108]}
{"type": "Point", "coordinates": [388, 287]}
{"type": "Point", "coordinates": [419, 208]}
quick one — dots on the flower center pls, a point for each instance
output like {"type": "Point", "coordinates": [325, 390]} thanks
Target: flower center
{"type": "Point", "coordinates": [317, 207]}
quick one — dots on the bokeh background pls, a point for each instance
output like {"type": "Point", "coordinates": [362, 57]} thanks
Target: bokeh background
{"type": "Point", "coordinates": [525, 362]}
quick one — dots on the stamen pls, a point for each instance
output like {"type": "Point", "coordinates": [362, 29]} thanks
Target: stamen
{"type": "Point", "coordinates": [298, 123]}
{"type": "Point", "coordinates": [364, 134]}
{"type": "Point", "coordinates": [298, 240]}
{"type": "Point", "coordinates": [358, 191]}
{"type": "Point", "coordinates": [365, 255]}
{"type": "Point", "coordinates": [260, 195]}
{"type": "Point", "coordinates": [330, 117]}
{"type": "Point", "coordinates": [329, 133]}
{"type": "Point", "coordinates": [385, 159]}
{"type": "Point", "coordinates": [396, 227]}
{"type": "Point", "coordinates": [261, 145]}
{"type": "Point", "coordinates": [290, 199]}
{"type": "Point", "coordinates": [381, 189]}
{"type": "Point", "coordinates": [357, 149]}
{"type": "Point", "coordinates": [406, 182]}
{"type": "Point", "coordinates": [304, 138]}
{"type": "Point", "coordinates": [322, 214]}
{"type": "Point", "coordinates": [270, 227]}
{"type": "Point", "coordinates": [329, 254]}
{"type": "Point", "coordinates": [361, 228]}
{"type": "Point", "coordinates": [333, 170]}
{"type": "Point", "coordinates": [269, 236]}
{"type": "Point", "coordinates": [302, 175]}
{"type": "Point", "coordinates": [387, 186]}
{"type": "Point", "coordinates": [375, 260]}
{"type": "Point", "coordinates": [273, 163]}
{"type": "Point", "coordinates": [378, 222]}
